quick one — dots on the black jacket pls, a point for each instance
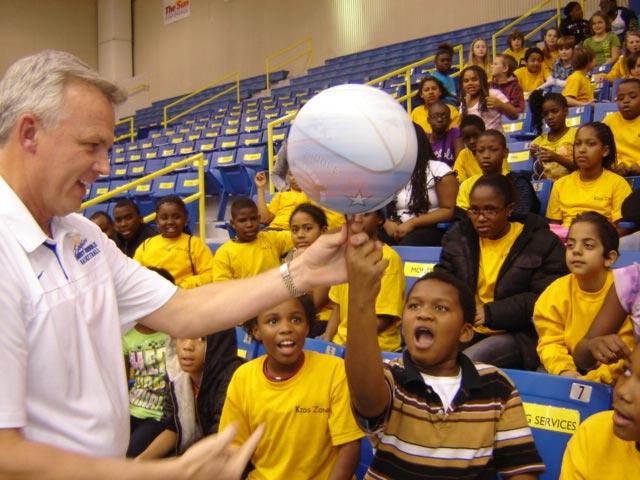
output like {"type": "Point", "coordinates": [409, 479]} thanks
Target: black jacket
{"type": "Point", "coordinates": [535, 260]}
{"type": "Point", "coordinates": [129, 247]}
{"type": "Point", "coordinates": [220, 363]}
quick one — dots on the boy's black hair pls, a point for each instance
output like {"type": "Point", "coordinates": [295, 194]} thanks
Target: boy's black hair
{"type": "Point", "coordinates": [309, 308]}
{"type": "Point", "coordinates": [127, 202]}
{"type": "Point", "coordinates": [466, 297]}
{"type": "Point", "coordinates": [474, 120]}
{"type": "Point", "coordinates": [501, 185]}
{"type": "Point", "coordinates": [605, 136]}
{"type": "Point", "coordinates": [493, 133]}
{"type": "Point", "coordinates": [530, 51]}
{"type": "Point", "coordinates": [175, 199]}
{"type": "Point", "coordinates": [444, 47]}
{"type": "Point", "coordinates": [163, 272]}
{"type": "Point", "coordinates": [606, 231]}
{"type": "Point", "coordinates": [537, 99]}
{"type": "Point", "coordinates": [314, 212]}
{"type": "Point", "coordinates": [582, 56]}
{"type": "Point", "coordinates": [241, 202]}
{"type": "Point", "coordinates": [101, 213]}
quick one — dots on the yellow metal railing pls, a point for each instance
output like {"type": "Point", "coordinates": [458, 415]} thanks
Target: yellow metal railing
{"type": "Point", "coordinates": [132, 131]}
{"type": "Point", "coordinates": [236, 86]}
{"type": "Point", "coordinates": [555, 18]}
{"type": "Point", "coordinates": [197, 159]}
{"type": "Point", "coordinates": [308, 52]}
{"type": "Point", "coordinates": [405, 71]}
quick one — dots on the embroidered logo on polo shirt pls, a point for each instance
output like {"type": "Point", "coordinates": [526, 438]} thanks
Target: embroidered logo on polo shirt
{"type": "Point", "coordinates": [83, 250]}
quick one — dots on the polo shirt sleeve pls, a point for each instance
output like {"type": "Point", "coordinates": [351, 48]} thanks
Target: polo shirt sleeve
{"type": "Point", "coordinates": [139, 291]}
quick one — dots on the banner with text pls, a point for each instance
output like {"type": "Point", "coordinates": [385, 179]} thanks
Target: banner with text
{"type": "Point", "coordinates": [175, 10]}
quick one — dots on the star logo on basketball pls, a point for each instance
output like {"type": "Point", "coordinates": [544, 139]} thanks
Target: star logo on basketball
{"type": "Point", "coordinates": [359, 199]}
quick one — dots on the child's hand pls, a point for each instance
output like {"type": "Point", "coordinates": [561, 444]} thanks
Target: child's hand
{"type": "Point", "coordinates": [608, 349]}
{"type": "Point", "coordinates": [570, 374]}
{"type": "Point", "coordinates": [493, 102]}
{"type": "Point", "coordinates": [260, 180]}
{"type": "Point", "coordinates": [365, 267]}
{"type": "Point", "coordinates": [479, 319]}
{"type": "Point", "coordinates": [402, 230]}
{"type": "Point", "coordinates": [622, 169]}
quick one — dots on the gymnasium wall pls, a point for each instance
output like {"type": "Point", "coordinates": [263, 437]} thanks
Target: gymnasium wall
{"type": "Point", "coordinates": [28, 26]}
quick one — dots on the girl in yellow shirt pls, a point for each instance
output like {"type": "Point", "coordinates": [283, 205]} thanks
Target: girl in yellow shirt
{"type": "Point", "coordinates": [430, 91]}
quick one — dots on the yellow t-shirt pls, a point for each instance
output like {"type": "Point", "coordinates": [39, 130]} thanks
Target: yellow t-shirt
{"type": "Point", "coordinates": [283, 204]}
{"type": "Point", "coordinates": [420, 115]}
{"type": "Point", "coordinates": [308, 417]}
{"type": "Point", "coordinates": [492, 255]}
{"type": "Point", "coordinates": [594, 451]}
{"type": "Point", "coordinates": [627, 136]}
{"type": "Point", "coordinates": [619, 70]}
{"type": "Point", "coordinates": [467, 166]}
{"type": "Point", "coordinates": [562, 316]}
{"type": "Point", "coordinates": [547, 63]}
{"type": "Point", "coordinates": [234, 260]}
{"type": "Point", "coordinates": [519, 56]}
{"type": "Point", "coordinates": [562, 146]}
{"type": "Point", "coordinates": [390, 301]}
{"type": "Point", "coordinates": [180, 257]}
{"type": "Point", "coordinates": [579, 87]}
{"type": "Point", "coordinates": [529, 81]}
{"type": "Point", "coordinates": [571, 196]}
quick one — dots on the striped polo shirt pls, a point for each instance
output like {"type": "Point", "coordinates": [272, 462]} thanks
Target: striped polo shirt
{"type": "Point", "coordinates": [483, 432]}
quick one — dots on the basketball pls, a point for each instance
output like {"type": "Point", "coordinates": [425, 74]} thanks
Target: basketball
{"type": "Point", "coordinates": [352, 148]}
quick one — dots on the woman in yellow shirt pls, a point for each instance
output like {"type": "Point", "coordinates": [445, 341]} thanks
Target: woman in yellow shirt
{"type": "Point", "coordinates": [430, 91]}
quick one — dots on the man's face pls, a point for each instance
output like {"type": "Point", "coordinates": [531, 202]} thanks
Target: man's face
{"type": "Point", "coordinates": [71, 154]}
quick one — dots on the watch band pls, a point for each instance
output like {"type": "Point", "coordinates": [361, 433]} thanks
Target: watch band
{"type": "Point", "coordinates": [288, 281]}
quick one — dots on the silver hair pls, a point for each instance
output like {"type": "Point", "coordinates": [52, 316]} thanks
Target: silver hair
{"type": "Point", "coordinates": [35, 84]}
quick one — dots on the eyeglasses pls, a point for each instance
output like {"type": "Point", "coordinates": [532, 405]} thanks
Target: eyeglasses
{"type": "Point", "coordinates": [440, 116]}
{"type": "Point", "coordinates": [488, 212]}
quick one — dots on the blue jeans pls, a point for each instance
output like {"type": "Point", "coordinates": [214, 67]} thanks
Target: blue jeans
{"type": "Point", "coordinates": [501, 350]}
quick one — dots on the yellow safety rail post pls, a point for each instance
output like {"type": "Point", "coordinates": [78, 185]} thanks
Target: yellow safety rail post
{"type": "Point", "coordinates": [198, 160]}
{"type": "Point", "coordinates": [555, 18]}
{"type": "Point", "coordinates": [236, 86]}
{"type": "Point", "coordinates": [132, 131]}
{"type": "Point", "coordinates": [272, 68]}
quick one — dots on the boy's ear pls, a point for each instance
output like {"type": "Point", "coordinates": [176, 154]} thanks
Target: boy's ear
{"type": "Point", "coordinates": [255, 332]}
{"type": "Point", "coordinates": [466, 333]}
{"type": "Point", "coordinates": [610, 258]}
{"type": "Point", "coordinates": [506, 155]}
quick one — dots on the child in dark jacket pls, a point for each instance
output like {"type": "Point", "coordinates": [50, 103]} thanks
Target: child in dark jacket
{"type": "Point", "coordinates": [508, 260]}
{"type": "Point", "coordinates": [198, 374]}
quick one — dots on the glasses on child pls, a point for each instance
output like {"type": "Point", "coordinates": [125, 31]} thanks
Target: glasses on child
{"type": "Point", "coordinates": [488, 212]}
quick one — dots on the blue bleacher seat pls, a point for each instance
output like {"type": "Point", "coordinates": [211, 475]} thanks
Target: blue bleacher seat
{"type": "Point", "coordinates": [152, 166]}
{"type": "Point", "coordinates": [100, 187]}
{"type": "Point", "coordinates": [163, 186]}
{"type": "Point", "coordinates": [520, 125]}
{"type": "Point", "coordinates": [602, 109]}
{"type": "Point", "coordinates": [117, 158]}
{"type": "Point", "coordinates": [579, 115]}
{"type": "Point", "coordinates": [118, 183]}
{"type": "Point", "coordinates": [186, 148]}
{"type": "Point", "coordinates": [168, 150]}
{"type": "Point", "coordinates": [417, 261]}
{"type": "Point", "coordinates": [247, 346]}
{"type": "Point", "coordinates": [135, 169]}
{"type": "Point", "coordinates": [120, 171]}
{"type": "Point", "coordinates": [250, 139]}
{"type": "Point", "coordinates": [149, 152]}
{"type": "Point", "coordinates": [161, 140]}
{"type": "Point", "coordinates": [186, 184]}
{"type": "Point", "coordinates": [519, 158]}
{"type": "Point", "coordinates": [133, 156]}
{"type": "Point", "coordinates": [254, 160]}
{"type": "Point", "coordinates": [555, 407]}
{"type": "Point", "coordinates": [543, 191]}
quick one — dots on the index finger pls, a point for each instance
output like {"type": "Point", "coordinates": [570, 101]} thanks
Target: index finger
{"type": "Point", "coordinates": [239, 459]}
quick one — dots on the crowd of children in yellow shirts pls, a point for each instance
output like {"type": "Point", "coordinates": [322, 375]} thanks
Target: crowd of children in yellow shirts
{"type": "Point", "coordinates": [501, 266]}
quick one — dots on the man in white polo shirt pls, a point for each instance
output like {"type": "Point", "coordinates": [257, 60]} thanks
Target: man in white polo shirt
{"type": "Point", "coordinates": [68, 293]}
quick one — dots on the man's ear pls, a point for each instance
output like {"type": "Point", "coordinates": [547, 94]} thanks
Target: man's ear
{"type": "Point", "coordinates": [27, 131]}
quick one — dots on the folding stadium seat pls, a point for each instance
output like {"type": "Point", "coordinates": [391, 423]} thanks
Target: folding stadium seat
{"type": "Point", "coordinates": [186, 148]}
{"type": "Point", "coordinates": [142, 196]}
{"type": "Point", "coordinates": [322, 346]}
{"type": "Point", "coordinates": [579, 115]}
{"type": "Point", "coordinates": [249, 139]}
{"type": "Point", "coordinates": [117, 158]}
{"type": "Point", "coordinates": [248, 126]}
{"type": "Point", "coordinates": [150, 153]}
{"type": "Point", "coordinates": [135, 169]}
{"type": "Point", "coordinates": [118, 183]}
{"type": "Point", "coordinates": [279, 135]}
{"type": "Point", "coordinates": [99, 187]}
{"type": "Point", "coordinates": [100, 207]}
{"type": "Point", "coordinates": [254, 160]}
{"type": "Point", "coordinates": [247, 346]}
{"type": "Point", "coordinates": [602, 109]}
{"type": "Point", "coordinates": [205, 145]}
{"type": "Point", "coordinates": [154, 165]}
{"type": "Point", "coordinates": [520, 125]}
{"type": "Point", "coordinates": [288, 110]}
{"type": "Point", "coordinates": [230, 129]}
{"type": "Point", "coordinates": [543, 191]}
{"type": "Point", "coordinates": [176, 138]}
{"type": "Point", "coordinates": [168, 150]}
{"type": "Point", "coordinates": [118, 148]}
{"type": "Point", "coordinates": [163, 186]}
{"type": "Point", "coordinates": [120, 171]}
{"type": "Point", "coordinates": [555, 407]}
{"type": "Point", "coordinates": [161, 140]}
{"type": "Point", "coordinates": [210, 132]}
{"type": "Point", "coordinates": [184, 129]}
{"type": "Point", "coordinates": [206, 156]}
{"type": "Point", "coordinates": [226, 142]}
{"type": "Point", "coordinates": [131, 146]}
{"type": "Point", "coordinates": [231, 176]}
{"type": "Point", "coordinates": [186, 184]}
{"type": "Point", "coordinates": [519, 158]}
{"type": "Point", "coordinates": [417, 261]}
{"type": "Point", "coordinates": [134, 156]}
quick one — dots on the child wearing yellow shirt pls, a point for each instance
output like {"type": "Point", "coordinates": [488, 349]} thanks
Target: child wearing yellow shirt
{"type": "Point", "coordinates": [626, 125]}
{"type": "Point", "coordinates": [578, 90]}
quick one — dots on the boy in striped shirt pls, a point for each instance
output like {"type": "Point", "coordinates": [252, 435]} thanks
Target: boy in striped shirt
{"type": "Point", "coordinates": [437, 415]}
